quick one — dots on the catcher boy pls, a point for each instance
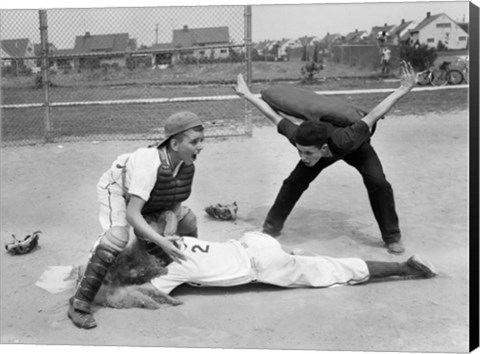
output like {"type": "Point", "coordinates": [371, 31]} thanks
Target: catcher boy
{"type": "Point", "coordinates": [136, 189]}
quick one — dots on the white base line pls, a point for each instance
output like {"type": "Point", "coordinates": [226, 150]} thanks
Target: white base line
{"type": "Point", "coordinates": [212, 98]}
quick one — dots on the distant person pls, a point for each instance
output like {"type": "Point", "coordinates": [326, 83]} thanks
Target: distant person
{"type": "Point", "coordinates": [132, 194]}
{"type": "Point", "coordinates": [328, 135]}
{"type": "Point", "coordinates": [385, 60]}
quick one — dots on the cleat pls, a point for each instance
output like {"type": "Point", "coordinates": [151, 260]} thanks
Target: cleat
{"type": "Point", "coordinates": [421, 268]}
{"type": "Point", "coordinates": [79, 318]}
{"type": "Point", "coordinates": [395, 247]}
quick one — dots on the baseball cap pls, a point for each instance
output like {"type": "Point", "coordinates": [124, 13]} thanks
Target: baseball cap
{"type": "Point", "coordinates": [178, 123]}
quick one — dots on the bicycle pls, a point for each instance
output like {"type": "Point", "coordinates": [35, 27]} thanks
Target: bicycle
{"type": "Point", "coordinates": [441, 76]}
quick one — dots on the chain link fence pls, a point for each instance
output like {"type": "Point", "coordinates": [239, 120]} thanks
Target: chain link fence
{"type": "Point", "coordinates": [118, 73]}
{"type": "Point", "coordinates": [363, 55]}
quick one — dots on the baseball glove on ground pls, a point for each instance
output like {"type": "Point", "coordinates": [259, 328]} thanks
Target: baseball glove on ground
{"type": "Point", "coordinates": [23, 246]}
{"type": "Point", "coordinates": [222, 212]}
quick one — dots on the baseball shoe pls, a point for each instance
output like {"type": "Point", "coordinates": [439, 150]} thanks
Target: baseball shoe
{"type": "Point", "coordinates": [421, 268]}
{"type": "Point", "coordinates": [395, 247]}
{"type": "Point", "coordinates": [79, 318]}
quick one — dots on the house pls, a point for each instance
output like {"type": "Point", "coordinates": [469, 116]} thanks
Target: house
{"type": "Point", "coordinates": [163, 54]}
{"type": "Point", "coordinates": [435, 29]}
{"type": "Point", "coordinates": [63, 59]}
{"type": "Point", "coordinates": [382, 34]}
{"type": "Point", "coordinates": [401, 33]}
{"type": "Point", "coordinates": [200, 43]}
{"type": "Point", "coordinates": [356, 37]}
{"type": "Point", "coordinates": [296, 49]}
{"type": "Point", "coordinates": [3, 53]}
{"type": "Point", "coordinates": [37, 49]}
{"type": "Point", "coordinates": [331, 38]}
{"type": "Point", "coordinates": [464, 26]}
{"type": "Point", "coordinates": [265, 50]}
{"type": "Point", "coordinates": [286, 46]}
{"type": "Point", "coordinates": [19, 49]}
{"type": "Point", "coordinates": [326, 43]}
{"type": "Point", "coordinates": [110, 49]}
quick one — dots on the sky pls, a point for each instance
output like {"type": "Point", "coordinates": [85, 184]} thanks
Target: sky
{"type": "Point", "coordinates": [155, 20]}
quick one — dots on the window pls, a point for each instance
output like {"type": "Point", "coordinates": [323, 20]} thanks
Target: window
{"type": "Point", "coordinates": [444, 25]}
{"type": "Point", "coordinates": [430, 40]}
{"type": "Point", "coordinates": [462, 38]}
{"type": "Point", "coordinates": [223, 51]}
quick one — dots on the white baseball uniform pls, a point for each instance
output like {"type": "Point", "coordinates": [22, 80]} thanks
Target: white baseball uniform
{"type": "Point", "coordinates": [257, 257]}
{"type": "Point", "coordinates": [139, 177]}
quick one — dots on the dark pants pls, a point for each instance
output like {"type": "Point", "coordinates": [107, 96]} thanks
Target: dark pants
{"type": "Point", "coordinates": [380, 192]}
{"type": "Point", "coordinates": [385, 67]}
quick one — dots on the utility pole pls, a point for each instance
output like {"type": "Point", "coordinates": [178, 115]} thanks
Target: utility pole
{"type": "Point", "coordinates": [45, 66]}
{"type": "Point", "coordinates": [156, 33]}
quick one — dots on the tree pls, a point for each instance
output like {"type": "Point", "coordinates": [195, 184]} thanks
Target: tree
{"type": "Point", "coordinates": [315, 53]}
{"type": "Point", "coordinates": [309, 71]}
{"type": "Point", "coordinates": [421, 57]}
{"type": "Point", "coordinates": [305, 56]}
{"type": "Point", "coordinates": [441, 46]}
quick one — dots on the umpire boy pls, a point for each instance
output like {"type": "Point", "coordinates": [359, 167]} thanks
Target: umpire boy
{"type": "Point", "coordinates": [328, 134]}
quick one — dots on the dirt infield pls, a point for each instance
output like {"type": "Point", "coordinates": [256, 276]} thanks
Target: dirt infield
{"type": "Point", "coordinates": [52, 188]}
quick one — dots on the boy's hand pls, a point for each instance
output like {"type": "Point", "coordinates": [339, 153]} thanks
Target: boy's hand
{"type": "Point", "coordinates": [241, 87]}
{"type": "Point", "coordinates": [409, 77]}
{"type": "Point", "coordinates": [168, 245]}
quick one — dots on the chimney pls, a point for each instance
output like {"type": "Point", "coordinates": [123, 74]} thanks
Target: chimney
{"type": "Point", "coordinates": [185, 28]}
{"type": "Point", "coordinates": [87, 34]}
{"type": "Point", "coordinates": [428, 14]}
{"type": "Point", "coordinates": [356, 30]}
{"type": "Point", "coordinates": [403, 21]}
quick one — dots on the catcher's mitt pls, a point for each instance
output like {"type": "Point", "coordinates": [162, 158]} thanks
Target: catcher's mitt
{"type": "Point", "coordinates": [23, 246]}
{"type": "Point", "coordinates": [222, 212]}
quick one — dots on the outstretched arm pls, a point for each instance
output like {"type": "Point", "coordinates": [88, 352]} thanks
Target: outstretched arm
{"type": "Point", "coordinates": [243, 91]}
{"type": "Point", "coordinates": [408, 80]}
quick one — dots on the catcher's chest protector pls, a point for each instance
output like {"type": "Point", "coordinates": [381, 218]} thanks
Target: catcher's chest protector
{"type": "Point", "coordinates": [169, 190]}
{"type": "Point", "coordinates": [308, 105]}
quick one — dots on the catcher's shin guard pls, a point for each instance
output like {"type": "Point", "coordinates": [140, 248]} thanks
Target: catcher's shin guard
{"type": "Point", "coordinates": [111, 244]}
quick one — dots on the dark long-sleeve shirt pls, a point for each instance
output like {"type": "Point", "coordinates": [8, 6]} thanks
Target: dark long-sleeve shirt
{"type": "Point", "coordinates": [341, 141]}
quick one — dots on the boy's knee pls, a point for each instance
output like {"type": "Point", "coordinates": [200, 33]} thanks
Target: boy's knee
{"type": "Point", "coordinates": [116, 238]}
{"type": "Point", "coordinates": [188, 225]}
{"type": "Point", "coordinates": [379, 184]}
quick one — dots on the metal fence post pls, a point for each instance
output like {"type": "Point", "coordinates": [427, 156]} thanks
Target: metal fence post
{"type": "Point", "coordinates": [45, 79]}
{"type": "Point", "coordinates": [248, 53]}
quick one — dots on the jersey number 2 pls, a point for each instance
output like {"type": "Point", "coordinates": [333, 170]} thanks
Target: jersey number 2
{"type": "Point", "coordinates": [196, 248]}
